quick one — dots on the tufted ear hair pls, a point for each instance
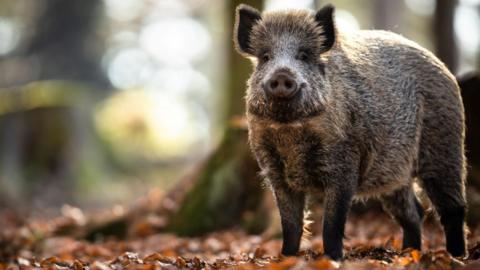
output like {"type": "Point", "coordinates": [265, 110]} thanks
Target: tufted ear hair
{"type": "Point", "coordinates": [325, 18]}
{"type": "Point", "coordinates": [245, 18]}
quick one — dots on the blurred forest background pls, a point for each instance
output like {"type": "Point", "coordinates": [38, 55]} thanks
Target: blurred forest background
{"type": "Point", "coordinates": [102, 102]}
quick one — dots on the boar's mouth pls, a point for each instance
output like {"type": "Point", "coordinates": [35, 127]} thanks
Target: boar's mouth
{"type": "Point", "coordinates": [285, 110]}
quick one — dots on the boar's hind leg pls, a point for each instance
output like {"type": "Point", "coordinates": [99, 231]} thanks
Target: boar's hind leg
{"type": "Point", "coordinates": [441, 171]}
{"type": "Point", "coordinates": [405, 208]}
{"type": "Point", "coordinates": [291, 206]}
{"type": "Point", "coordinates": [450, 205]}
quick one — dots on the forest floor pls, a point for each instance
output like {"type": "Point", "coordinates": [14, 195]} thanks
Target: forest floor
{"type": "Point", "coordinates": [373, 242]}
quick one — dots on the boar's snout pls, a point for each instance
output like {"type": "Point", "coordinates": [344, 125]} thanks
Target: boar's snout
{"type": "Point", "coordinates": [281, 85]}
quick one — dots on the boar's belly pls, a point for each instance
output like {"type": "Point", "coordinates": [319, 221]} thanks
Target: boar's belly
{"type": "Point", "coordinates": [384, 179]}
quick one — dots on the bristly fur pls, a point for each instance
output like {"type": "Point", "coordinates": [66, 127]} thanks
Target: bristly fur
{"type": "Point", "coordinates": [299, 24]}
{"type": "Point", "coordinates": [373, 111]}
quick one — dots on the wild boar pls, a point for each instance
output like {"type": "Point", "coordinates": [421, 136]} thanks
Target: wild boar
{"type": "Point", "coordinates": [353, 115]}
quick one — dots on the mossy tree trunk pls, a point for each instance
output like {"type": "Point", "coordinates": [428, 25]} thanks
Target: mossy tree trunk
{"type": "Point", "coordinates": [226, 193]}
{"type": "Point", "coordinates": [228, 190]}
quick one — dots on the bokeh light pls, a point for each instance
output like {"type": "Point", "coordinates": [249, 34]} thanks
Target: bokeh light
{"type": "Point", "coordinates": [155, 59]}
{"type": "Point", "coordinates": [466, 25]}
{"type": "Point", "coordinates": [150, 124]}
{"type": "Point", "coordinates": [9, 35]}
{"type": "Point", "coordinates": [124, 10]}
{"type": "Point", "coordinates": [175, 40]}
{"type": "Point", "coordinates": [129, 68]}
{"type": "Point", "coordinates": [346, 21]}
{"type": "Point", "coordinates": [421, 7]}
{"type": "Point", "coordinates": [288, 4]}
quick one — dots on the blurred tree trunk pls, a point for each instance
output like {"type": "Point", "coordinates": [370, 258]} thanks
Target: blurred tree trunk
{"type": "Point", "coordinates": [227, 191]}
{"type": "Point", "coordinates": [40, 146]}
{"type": "Point", "coordinates": [61, 44]}
{"type": "Point", "coordinates": [470, 87]}
{"type": "Point", "coordinates": [239, 68]}
{"type": "Point", "coordinates": [444, 33]}
{"type": "Point", "coordinates": [388, 15]}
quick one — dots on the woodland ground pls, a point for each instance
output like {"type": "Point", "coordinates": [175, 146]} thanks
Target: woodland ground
{"type": "Point", "coordinates": [373, 242]}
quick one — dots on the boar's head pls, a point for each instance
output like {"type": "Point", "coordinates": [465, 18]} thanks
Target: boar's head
{"type": "Point", "coordinates": [287, 49]}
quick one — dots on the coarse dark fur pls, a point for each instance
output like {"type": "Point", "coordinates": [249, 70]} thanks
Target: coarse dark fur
{"type": "Point", "coordinates": [374, 111]}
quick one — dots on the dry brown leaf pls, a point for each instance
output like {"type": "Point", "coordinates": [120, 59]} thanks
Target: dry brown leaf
{"type": "Point", "coordinates": [415, 255]}
{"type": "Point", "coordinates": [404, 261]}
{"type": "Point", "coordinates": [180, 262]}
{"type": "Point", "coordinates": [325, 263]}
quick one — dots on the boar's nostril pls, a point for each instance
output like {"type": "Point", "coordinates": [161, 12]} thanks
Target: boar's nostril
{"type": "Point", "coordinates": [281, 85]}
{"type": "Point", "coordinates": [273, 84]}
{"type": "Point", "coordinates": [288, 84]}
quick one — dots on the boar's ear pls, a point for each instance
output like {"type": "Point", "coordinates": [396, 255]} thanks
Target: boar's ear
{"type": "Point", "coordinates": [324, 18]}
{"type": "Point", "coordinates": [245, 18]}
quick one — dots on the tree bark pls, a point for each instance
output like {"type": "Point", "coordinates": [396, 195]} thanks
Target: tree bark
{"type": "Point", "coordinates": [444, 33]}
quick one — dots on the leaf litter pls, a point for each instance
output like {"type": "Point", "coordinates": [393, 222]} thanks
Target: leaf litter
{"type": "Point", "coordinates": [374, 242]}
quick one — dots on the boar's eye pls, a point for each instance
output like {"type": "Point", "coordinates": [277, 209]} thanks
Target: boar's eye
{"type": "Point", "coordinates": [265, 57]}
{"type": "Point", "coordinates": [303, 55]}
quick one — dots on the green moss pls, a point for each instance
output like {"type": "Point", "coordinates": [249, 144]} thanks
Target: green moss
{"type": "Point", "coordinates": [223, 192]}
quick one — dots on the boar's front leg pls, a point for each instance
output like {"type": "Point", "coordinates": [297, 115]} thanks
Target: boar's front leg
{"type": "Point", "coordinates": [337, 204]}
{"type": "Point", "coordinates": [291, 205]}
